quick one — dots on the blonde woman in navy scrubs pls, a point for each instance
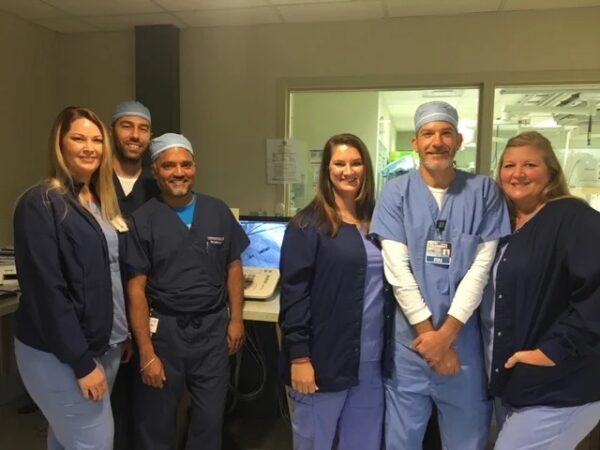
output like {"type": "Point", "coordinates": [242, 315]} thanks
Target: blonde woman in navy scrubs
{"type": "Point", "coordinates": [332, 307]}
{"type": "Point", "coordinates": [71, 323]}
{"type": "Point", "coordinates": [543, 321]}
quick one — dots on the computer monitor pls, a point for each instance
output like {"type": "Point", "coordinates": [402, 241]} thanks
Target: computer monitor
{"type": "Point", "coordinates": [266, 235]}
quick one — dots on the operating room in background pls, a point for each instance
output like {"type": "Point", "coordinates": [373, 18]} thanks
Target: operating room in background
{"type": "Point", "coordinates": [566, 114]}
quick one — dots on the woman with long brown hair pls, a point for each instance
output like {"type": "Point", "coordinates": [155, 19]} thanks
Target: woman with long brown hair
{"type": "Point", "coordinates": [332, 307]}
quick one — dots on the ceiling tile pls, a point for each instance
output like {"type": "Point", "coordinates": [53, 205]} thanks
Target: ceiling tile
{"type": "Point", "coordinates": [404, 8]}
{"type": "Point", "coordinates": [229, 17]}
{"type": "Point", "coordinates": [31, 9]}
{"type": "Point", "coordinates": [128, 22]}
{"type": "Point", "coordinates": [547, 4]}
{"type": "Point", "coordinates": [302, 2]}
{"type": "Point", "coordinates": [193, 5]}
{"type": "Point", "coordinates": [105, 7]}
{"type": "Point", "coordinates": [248, 12]}
{"type": "Point", "coordinates": [331, 12]}
{"type": "Point", "coordinates": [67, 25]}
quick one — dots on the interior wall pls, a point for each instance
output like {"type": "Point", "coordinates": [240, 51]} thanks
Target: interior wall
{"type": "Point", "coordinates": [233, 80]}
{"type": "Point", "coordinates": [230, 76]}
{"type": "Point", "coordinates": [28, 103]}
{"type": "Point", "coordinates": [316, 116]}
{"type": "Point", "coordinates": [96, 70]}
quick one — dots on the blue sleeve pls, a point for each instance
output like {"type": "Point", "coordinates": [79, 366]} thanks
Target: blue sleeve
{"type": "Point", "coordinates": [388, 216]}
{"type": "Point", "coordinates": [45, 293]}
{"type": "Point", "coordinates": [238, 239]}
{"type": "Point", "coordinates": [137, 258]}
{"type": "Point", "coordinates": [577, 330]}
{"type": "Point", "coordinates": [297, 266]}
{"type": "Point", "coordinates": [495, 223]}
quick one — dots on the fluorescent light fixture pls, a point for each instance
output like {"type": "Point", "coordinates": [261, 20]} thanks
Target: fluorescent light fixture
{"type": "Point", "coordinates": [546, 123]}
{"type": "Point", "coordinates": [468, 134]}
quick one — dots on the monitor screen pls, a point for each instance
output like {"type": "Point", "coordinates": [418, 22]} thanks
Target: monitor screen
{"type": "Point", "coordinates": [266, 236]}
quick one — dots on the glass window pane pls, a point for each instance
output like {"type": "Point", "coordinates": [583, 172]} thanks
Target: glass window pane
{"type": "Point", "coordinates": [567, 116]}
{"type": "Point", "coordinates": [382, 119]}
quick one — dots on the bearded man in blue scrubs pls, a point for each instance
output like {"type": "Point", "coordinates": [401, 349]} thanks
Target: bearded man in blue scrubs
{"type": "Point", "coordinates": [439, 228]}
{"type": "Point", "coordinates": [184, 262]}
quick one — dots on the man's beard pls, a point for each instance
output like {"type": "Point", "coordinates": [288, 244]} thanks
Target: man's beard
{"type": "Point", "coordinates": [123, 156]}
{"type": "Point", "coordinates": [439, 166]}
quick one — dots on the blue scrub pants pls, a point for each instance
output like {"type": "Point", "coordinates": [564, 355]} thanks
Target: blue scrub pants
{"type": "Point", "coordinates": [74, 423]}
{"type": "Point", "coordinates": [547, 428]}
{"type": "Point", "coordinates": [194, 353]}
{"type": "Point", "coordinates": [355, 413]}
{"type": "Point", "coordinates": [464, 411]}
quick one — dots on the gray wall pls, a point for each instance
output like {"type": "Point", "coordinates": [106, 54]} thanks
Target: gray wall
{"type": "Point", "coordinates": [234, 80]}
{"type": "Point", "coordinates": [28, 100]}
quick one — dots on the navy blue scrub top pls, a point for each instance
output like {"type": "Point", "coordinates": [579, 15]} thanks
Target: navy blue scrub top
{"type": "Point", "coordinates": [186, 268]}
{"type": "Point", "coordinates": [548, 297]}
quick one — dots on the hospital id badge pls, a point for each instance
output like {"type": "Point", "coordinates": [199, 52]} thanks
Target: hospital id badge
{"type": "Point", "coordinates": [153, 325]}
{"type": "Point", "coordinates": [438, 252]}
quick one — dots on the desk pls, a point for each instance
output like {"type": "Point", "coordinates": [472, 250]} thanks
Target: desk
{"type": "Point", "coordinates": [8, 305]}
{"type": "Point", "coordinates": [266, 311]}
{"type": "Point", "coordinates": [259, 310]}
{"type": "Point", "coordinates": [262, 310]}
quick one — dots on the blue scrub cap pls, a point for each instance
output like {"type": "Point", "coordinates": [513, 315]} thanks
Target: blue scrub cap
{"type": "Point", "coordinates": [167, 141]}
{"type": "Point", "coordinates": [434, 111]}
{"type": "Point", "coordinates": [131, 108]}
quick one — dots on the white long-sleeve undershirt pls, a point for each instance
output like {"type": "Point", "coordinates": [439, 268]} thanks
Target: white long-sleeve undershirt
{"type": "Point", "coordinates": [406, 290]}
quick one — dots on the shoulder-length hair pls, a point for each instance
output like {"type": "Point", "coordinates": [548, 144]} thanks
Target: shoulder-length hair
{"type": "Point", "coordinates": [557, 187]}
{"type": "Point", "coordinates": [61, 178]}
{"type": "Point", "coordinates": [323, 210]}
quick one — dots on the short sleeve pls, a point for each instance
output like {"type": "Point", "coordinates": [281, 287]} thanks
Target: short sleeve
{"type": "Point", "coordinates": [136, 258]}
{"type": "Point", "coordinates": [388, 217]}
{"type": "Point", "coordinates": [495, 223]}
{"type": "Point", "coordinates": [238, 239]}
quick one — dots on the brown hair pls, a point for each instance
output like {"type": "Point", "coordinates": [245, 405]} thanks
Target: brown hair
{"type": "Point", "coordinates": [322, 210]}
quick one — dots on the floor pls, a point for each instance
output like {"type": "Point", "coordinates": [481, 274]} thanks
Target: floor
{"type": "Point", "coordinates": [241, 432]}
{"type": "Point", "coordinates": [19, 431]}
{"type": "Point", "coordinates": [256, 418]}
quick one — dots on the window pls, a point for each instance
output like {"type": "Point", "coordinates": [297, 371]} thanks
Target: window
{"type": "Point", "coordinates": [567, 116]}
{"type": "Point", "coordinates": [383, 119]}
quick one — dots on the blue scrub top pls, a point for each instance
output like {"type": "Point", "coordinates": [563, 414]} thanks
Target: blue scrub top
{"type": "Point", "coordinates": [120, 329]}
{"type": "Point", "coordinates": [186, 268]}
{"type": "Point", "coordinates": [372, 323]}
{"type": "Point", "coordinates": [474, 211]}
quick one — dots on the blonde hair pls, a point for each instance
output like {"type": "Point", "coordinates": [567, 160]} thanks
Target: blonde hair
{"type": "Point", "coordinates": [61, 177]}
{"type": "Point", "coordinates": [557, 187]}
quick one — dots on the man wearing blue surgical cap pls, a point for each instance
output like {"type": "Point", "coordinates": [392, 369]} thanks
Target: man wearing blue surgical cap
{"type": "Point", "coordinates": [439, 228]}
{"type": "Point", "coordinates": [131, 128]}
{"type": "Point", "coordinates": [184, 260]}
{"type": "Point", "coordinates": [134, 185]}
